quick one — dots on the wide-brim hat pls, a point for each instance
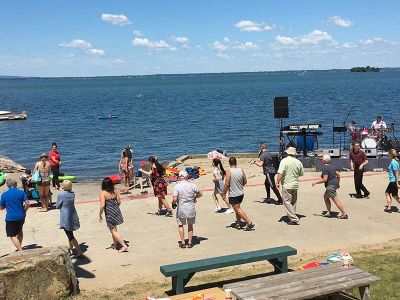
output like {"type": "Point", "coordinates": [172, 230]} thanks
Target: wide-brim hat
{"type": "Point", "coordinates": [66, 185]}
{"type": "Point", "coordinates": [291, 151]}
{"type": "Point", "coordinates": [183, 173]}
{"type": "Point", "coordinates": [43, 155]}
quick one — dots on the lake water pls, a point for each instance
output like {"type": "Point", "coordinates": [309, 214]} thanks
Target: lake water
{"type": "Point", "coordinates": [172, 115]}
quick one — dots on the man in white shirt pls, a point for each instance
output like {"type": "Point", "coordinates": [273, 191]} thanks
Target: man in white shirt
{"type": "Point", "coordinates": [379, 123]}
{"type": "Point", "coordinates": [185, 197]}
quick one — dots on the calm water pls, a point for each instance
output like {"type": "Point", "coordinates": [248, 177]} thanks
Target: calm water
{"type": "Point", "coordinates": [180, 114]}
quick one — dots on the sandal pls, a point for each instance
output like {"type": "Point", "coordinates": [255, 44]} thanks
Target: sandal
{"type": "Point", "coordinates": [327, 215]}
{"type": "Point", "coordinates": [190, 245]}
{"type": "Point", "coordinates": [388, 209]}
{"type": "Point", "coordinates": [181, 245]}
{"type": "Point", "coordinates": [158, 213]}
{"type": "Point", "coordinates": [343, 217]}
{"type": "Point", "coordinates": [237, 226]}
{"type": "Point", "coordinates": [123, 249]}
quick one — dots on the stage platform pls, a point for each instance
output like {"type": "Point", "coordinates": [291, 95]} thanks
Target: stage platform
{"type": "Point", "coordinates": [374, 163]}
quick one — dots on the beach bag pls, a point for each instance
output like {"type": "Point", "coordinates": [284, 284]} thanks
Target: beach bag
{"type": "Point", "coordinates": [36, 177]}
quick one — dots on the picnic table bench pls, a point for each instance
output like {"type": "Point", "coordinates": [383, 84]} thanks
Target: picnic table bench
{"type": "Point", "coordinates": [330, 280]}
{"type": "Point", "coordinates": [181, 273]}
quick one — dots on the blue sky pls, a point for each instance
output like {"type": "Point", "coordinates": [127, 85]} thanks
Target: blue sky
{"type": "Point", "coordinates": [91, 38]}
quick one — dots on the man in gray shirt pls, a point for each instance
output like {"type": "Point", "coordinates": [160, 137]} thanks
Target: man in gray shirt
{"type": "Point", "coordinates": [185, 196]}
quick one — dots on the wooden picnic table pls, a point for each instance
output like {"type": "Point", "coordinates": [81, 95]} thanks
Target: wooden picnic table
{"type": "Point", "coordinates": [215, 293]}
{"type": "Point", "coordinates": [332, 279]}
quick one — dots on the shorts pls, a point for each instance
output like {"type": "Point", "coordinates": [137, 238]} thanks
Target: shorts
{"type": "Point", "coordinates": [13, 228]}
{"type": "Point", "coordinates": [392, 189]}
{"type": "Point", "coordinates": [331, 191]}
{"type": "Point", "coordinates": [43, 183]}
{"type": "Point", "coordinates": [185, 221]}
{"type": "Point", "coordinates": [236, 200]}
{"type": "Point", "coordinates": [219, 187]}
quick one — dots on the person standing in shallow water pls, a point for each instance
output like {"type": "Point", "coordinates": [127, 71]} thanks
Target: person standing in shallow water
{"type": "Point", "coordinates": [109, 204]}
{"type": "Point", "coordinates": [234, 183]}
{"type": "Point", "coordinates": [266, 161]}
{"type": "Point", "coordinates": [156, 174]}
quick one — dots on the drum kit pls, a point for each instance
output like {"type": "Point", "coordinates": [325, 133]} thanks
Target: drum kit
{"type": "Point", "coordinates": [375, 138]}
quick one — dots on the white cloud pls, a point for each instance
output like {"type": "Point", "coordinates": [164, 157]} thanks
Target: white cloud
{"type": "Point", "coordinates": [157, 45]}
{"type": "Point", "coordinates": [120, 20]}
{"type": "Point", "coordinates": [285, 40]}
{"type": "Point", "coordinates": [349, 45]}
{"type": "Point", "coordinates": [96, 52]}
{"type": "Point", "coordinates": [227, 45]}
{"type": "Point", "coordinates": [77, 43]}
{"type": "Point", "coordinates": [339, 21]}
{"type": "Point", "coordinates": [247, 46]}
{"type": "Point", "coordinates": [316, 37]}
{"type": "Point", "coordinates": [137, 33]}
{"type": "Point", "coordinates": [370, 40]}
{"type": "Point", "coordinates": [251, 26]}
{"type": "Point", "coordinates": [313, 38]}
{"type": "Point", "coordinates": [181, 40]}
{"type": "Point", "coordinates": [118, 61]}
{"type": "Point", "coordinates": [70, 55]}
{"type": "Point", "coordinates": [224, 56]}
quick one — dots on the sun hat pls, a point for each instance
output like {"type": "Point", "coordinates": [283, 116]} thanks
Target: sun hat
{"type": "Point", "coordinates": [291, 151]}
{"type": "Point", "coordinates": [66, 185]}
{"type": "Point", "coordinates": [183, 173]}
{"type": "Point", "coordinates": [43, 155]}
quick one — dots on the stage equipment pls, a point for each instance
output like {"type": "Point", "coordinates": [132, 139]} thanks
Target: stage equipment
{"type": "Point", "coordinates": [332, 152]}
{"type": "Point", "coordinates": [281, 107]}
{"type": "Point", "coordinates": [371, 152]}
{"type": "Point", "coordinates": [306, 136]}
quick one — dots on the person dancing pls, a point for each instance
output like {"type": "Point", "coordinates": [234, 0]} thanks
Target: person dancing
{"type": "Point", "coordinates": [392, 189]}
{"type": "Point", "coordinates": [358, 161]}
{"type": "Point", "coordinates": [156, 174]}
{"type": "Point", "coordinates": [266, 162]}
{"type": "Point", "coordinates": [218, 179]}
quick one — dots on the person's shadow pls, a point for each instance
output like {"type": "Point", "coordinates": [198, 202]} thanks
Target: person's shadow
{"type": "Point", "coordinates": [82, 260]}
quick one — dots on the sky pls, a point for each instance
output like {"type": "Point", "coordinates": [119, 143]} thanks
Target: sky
{"type": "Point", "coordinates": [128, 37]}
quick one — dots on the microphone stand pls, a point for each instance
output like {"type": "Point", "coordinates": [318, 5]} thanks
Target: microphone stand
{"type": "Point", "coordinates": [344, 132]}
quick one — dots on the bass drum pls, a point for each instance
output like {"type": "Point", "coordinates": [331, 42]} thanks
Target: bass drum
{"type": "Point", "coordinates": [368, 143]}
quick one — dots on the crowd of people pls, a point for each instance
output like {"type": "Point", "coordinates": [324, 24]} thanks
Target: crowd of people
{"type": "Point", "coordinates": [280, 176]}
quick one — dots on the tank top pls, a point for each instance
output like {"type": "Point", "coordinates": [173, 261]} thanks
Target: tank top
{"type": "Point", "coordinates": [236, 184]}
{"type": "Point", "coordinates": [44, 172]}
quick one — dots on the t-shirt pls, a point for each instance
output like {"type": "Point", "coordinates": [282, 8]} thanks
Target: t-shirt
{"type": "Point", "coordinates": [268, 163]}
{"type": "Point", "coordinates": [186, 193]}
{"type": "Point", "coordinates": [330, 170]}
{"type": "Point", "coordinates": [376, 125]}
{"type": "Point", "coordinates": [393, 167]}
{"type": "Point", "coordinates": [291, 169]}
{"type": "Point", "coordinates": [358, 158]}
{"type": "Point", "coordinates": [13, 200]}
{"type": "Point", "coordinates": [56, 156]}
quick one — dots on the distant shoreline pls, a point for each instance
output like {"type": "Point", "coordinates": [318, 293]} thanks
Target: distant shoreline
{"type": "Point", "coordinates": [18, 77]}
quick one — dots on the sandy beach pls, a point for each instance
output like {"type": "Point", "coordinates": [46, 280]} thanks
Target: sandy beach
{"type": "Point", "coordinates": [153, 239]}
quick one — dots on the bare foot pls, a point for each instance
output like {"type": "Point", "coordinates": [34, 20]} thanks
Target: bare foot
{"type": "Point", "coordinates": [123, 249]}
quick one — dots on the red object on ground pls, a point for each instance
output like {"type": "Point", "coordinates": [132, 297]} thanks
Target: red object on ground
{"type": "Point", "coordinates": [115, 178]}
{"type": "Point", "coordinates": [311, 265]}
{"type": "Point", "coordinates": [143, 163]}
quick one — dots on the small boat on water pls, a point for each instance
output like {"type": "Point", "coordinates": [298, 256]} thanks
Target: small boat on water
{"type": "Point", "coordinates": [106, 117]}
{"type": "Point", "coordinates": [8, 116]}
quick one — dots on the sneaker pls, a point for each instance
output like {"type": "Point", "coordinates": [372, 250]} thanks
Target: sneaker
{"type": "Point", "coordinates": [217, 209]}
{"type": "Point", "coordinates": [250, 226]}
{"type": "Point", "coordinates": [293, 223]}
{"type": "Point", "coordinates": [366, 195]}
{"type": "Point", "coordinates": [169, 214]}
{"type": "Point", "coordinates": [229, 211]}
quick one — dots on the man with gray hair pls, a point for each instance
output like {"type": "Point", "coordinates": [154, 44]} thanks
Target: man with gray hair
{"type": "Point", "coordinates": [330, 177]}
{"type": "Point", "coordinates": [185, 196]}
{"type": "Point", "coordinates": [289, 172]}
{"type": "Point", "coordinates": [16, 204]}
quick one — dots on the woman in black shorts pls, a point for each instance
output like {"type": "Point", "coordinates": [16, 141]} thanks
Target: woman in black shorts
{"type": "Point", "coordinates": [392, 189]}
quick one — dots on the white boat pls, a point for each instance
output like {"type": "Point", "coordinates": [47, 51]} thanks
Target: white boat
{"type": "Point", "coordinates": [8, 116]}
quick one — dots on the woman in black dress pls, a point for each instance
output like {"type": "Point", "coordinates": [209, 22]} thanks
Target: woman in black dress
{"type": "Point", "coordinates": [109, 203]}
{"type": "Point", "coordinates": [156, 174]}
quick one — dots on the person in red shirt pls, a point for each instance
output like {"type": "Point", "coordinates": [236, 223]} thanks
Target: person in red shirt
{"type": "Point", "coordinates": [55, 163]}
{"type": "Point", "coordinates": [358, 161]}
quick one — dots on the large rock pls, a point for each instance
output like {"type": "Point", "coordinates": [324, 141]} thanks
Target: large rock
{"type": "Point", "coordinates": [42, 273]}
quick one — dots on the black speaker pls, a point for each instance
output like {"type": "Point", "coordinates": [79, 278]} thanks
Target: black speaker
{"type": "Point", "coordinates": [281, 107]}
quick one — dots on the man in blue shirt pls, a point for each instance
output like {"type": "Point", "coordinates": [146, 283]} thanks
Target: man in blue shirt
{"type": "Point", "coordinates": [16, 204]}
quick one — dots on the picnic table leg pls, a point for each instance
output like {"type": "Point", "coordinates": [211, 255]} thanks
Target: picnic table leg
{"type": "Point", "coordinates": [364, 292]}
{"type": "Point", "coordinates": [280, 264]}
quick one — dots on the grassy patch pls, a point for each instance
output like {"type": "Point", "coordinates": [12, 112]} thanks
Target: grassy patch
{"type": "Point", "coordinates": [381, 261]}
